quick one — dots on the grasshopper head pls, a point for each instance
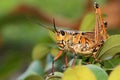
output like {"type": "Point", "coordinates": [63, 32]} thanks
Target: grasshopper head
{"type": "Point", "coordinates": [60, 36]}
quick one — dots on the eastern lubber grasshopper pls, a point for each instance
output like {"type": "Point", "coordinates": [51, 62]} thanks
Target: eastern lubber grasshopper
{"type": "Point", "coordinates": [84, 43]}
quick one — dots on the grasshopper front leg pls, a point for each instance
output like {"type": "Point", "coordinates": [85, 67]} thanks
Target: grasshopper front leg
{"type": "Point", "coordinates": [55, 58]}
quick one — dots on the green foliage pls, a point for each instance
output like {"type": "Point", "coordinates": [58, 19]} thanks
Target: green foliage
{"type": "Point", "coordinates": [52, 35]}
{"type": "Point", "coordinates": [110, 48]}
{"type": "Point", "coordinates": [78, 72]}
{"type": "Point", "coordinates": [110, 64]}
{"type": "Point", "coordinates": [34, 71]}
{"type": "Point", "coordinates": [98, 72]}
{"type": "Point", "coordinates": [81, 72]}
{"type": "Point", "coordinates": [64, 8]}
{"type": "Point", "coordinates": [22, 37]}
{"type": "Point", "coordinates": [115, 74]}
{"type": "Point", "coordinates": [39, 52]}
{"type": "Point", "coordinates": [10, 64]}
{"type": "Point", "coordinates": [56, 76]}
{"type": "Point", "coordinates": [88, 22]}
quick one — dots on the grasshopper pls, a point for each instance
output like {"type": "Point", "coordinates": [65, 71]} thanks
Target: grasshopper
{"type": "Point", "coordinates": [84, 43]}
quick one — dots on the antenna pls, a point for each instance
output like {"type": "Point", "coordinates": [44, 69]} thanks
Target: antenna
{"type": "Point", "coordinates": [54, 25]}
{"type": "Point", "coordinates": [45, 26]}
{"type": "Point", "coordinates": [42, 25]}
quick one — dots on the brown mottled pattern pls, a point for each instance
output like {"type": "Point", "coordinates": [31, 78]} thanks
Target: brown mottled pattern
{"type": "Point", "coordinates": [78, 42]}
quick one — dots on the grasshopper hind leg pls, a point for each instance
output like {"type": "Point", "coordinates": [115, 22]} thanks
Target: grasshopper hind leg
{"type": "Point", "coordinates": [94, 55]}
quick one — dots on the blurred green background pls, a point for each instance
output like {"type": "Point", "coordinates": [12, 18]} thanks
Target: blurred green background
{"type": "Point", "coordinates": [20, 38]}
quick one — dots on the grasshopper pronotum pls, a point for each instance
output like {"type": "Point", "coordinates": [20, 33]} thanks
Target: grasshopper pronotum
{"type": "Point", "coordinates": [84, 43]}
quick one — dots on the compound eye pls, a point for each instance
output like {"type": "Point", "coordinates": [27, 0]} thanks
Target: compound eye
{"type": "Point", "coordinates": [62, 32]}
{"type": "Point", "coordinates": [105, 23]}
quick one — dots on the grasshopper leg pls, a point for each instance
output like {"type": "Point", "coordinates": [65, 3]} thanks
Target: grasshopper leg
{"type": "Point", "coordinates": [55, 58]}
{"type": "Point", "coordinates": [74, 60]}
{"type": "Point", "coordinates": [66, 60]}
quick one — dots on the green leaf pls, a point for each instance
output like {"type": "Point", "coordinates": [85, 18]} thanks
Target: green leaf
{"type": "Point", "coordinates": [35, 70]}
{"type": "Point", "coordinates": [39, 51]}
{"type": "Point", "coordinates": [78, 62]}
{"type": "Point", "coordinates": [88, 23]}
{"type": "Point", "coordinates": [98, 72]}
{"type": "Point", "coordinates": [112, 63]}
{"type": "Point", "coordinates": [115, 74]}
{"type": "Point", "coordinates": [56, 76]}
{"type": "Point", "coordinates": [33, 77]}
{"type": "Point", "coordinates": [49, 60]}
{"type": "Point", "coordinates": [52, 35]}
{"type": "Point", "coordinates": [78, 73]}
{"type": "Point", "coordinates": [54, 51]}
{"type": "Point", "coordinates": [110, 48]}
